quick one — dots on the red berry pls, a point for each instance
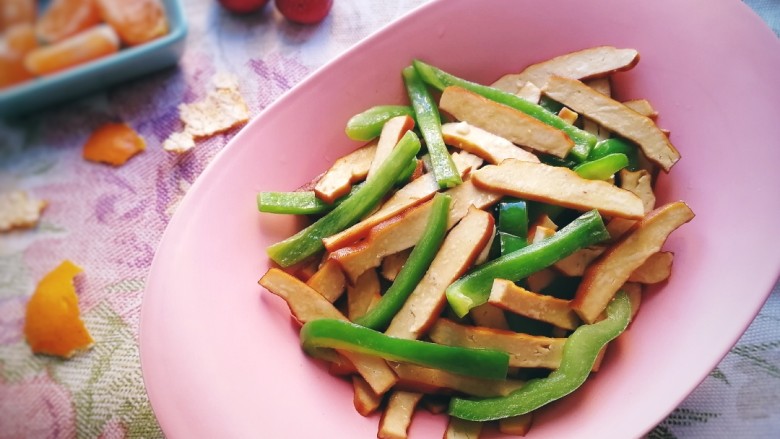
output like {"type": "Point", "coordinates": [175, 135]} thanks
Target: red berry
{"type": "Point", "coordinates": [304, 11]}
{"type": "Point", "coordinates": [243, 6]}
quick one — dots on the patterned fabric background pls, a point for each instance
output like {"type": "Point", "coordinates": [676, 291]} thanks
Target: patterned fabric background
{"type": "Point", "coordinates": [109, 221]}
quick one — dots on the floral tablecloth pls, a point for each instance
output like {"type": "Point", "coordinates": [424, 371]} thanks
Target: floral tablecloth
{"type": "Point", "coordinates": [109, 220]}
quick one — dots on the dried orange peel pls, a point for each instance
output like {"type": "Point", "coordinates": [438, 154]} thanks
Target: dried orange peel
{"type": "Point", "coordinates": [113, 143]}
{"type": "Point", "coordinates": [52, 324]}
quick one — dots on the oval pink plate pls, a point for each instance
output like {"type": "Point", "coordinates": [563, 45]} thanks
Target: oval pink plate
{"type": "Point", "coordinates": [220, 356]}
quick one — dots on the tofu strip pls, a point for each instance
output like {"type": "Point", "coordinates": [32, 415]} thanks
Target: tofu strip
{"type": "Point", "coordinates": [616, 117]}
{"type": "Point", "coordinates": [494, 149]}
{"type": "Point", "coordinates": [403, 231]}
{"type": "Point", "coordinates": [507, 295]}
{"type": "Point", "coordinates": [412, 194]}
{"type": "Point", "coordinates": [397, 416]}
{"type": "Point", "coordinates": [392, 132]}
{"type": "Point", "coordinates": [348, 169]}
{"type": "Point", "coordinates": [524, 350]}
{"type": "Point", "coordinates": [462, 429]}
{"type": "Point", "coordinates": [307, 304]}
{"type": "Point", "coordinates": [427, 380]}
{"type": "Point", "coordinates": [362, 296]}
{"type": "Point", "coordinates": [594, 62]}
{"type": "Point", "coordinates": [604, 277]}
{"type": "Point", "coordinates": [457, 253]}
{"type": "Point", "coordinates": [329, 280]}
{"type": "Point", "coordinates": [504, 121]}
{"type": "Point", "coordinates": [559, 186]}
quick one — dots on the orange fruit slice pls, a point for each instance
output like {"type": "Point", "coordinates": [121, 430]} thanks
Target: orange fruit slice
{"type": "Point", "coordinates": [136, 21]}
{"type": "Point", "coordinates": [20, 39]}
{"type": "Point", "coordinates": [17, 11]}
{"type": "Point", "coordinates": [64, 18]}
{"type": "Point", "coordinates": [85, 46]}
{"type": "Point", "coordinates": [52, 324]}
{"type": "Point", "coordinates": [113, 143]}
{"type": "Point", "coordinates": [15, 43]}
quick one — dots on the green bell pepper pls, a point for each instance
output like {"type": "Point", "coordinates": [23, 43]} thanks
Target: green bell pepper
{"type": "Point", "coordinates": [429, 123]}
{"type": "Point", "coordinates": [309, 240]}
{"type": "Point", "coordinates": [307, 203]}
{"type": "Point", "coordinates": [602, 168]}
{"type": "Point", "coordinates": [340, 334]}
{"type": "Point", "coordinates": [509, 243]}
{"type": "Point", "coordinates": [473, 289]}
{"type": "Point", "coordinates": [298, 203]}
{"type": "Point", "coordinates": [579, 354]}
{"type": "Point", "coordinates": [616, 145]}
{"type": "Point", "coordinates": [439, 79]}
{"type": "Point", "coordinates": [513, 217]}
{"type": "Point", "coordinates": [413, 270]}
{"type": "Point", "coordinates": [368, 124]}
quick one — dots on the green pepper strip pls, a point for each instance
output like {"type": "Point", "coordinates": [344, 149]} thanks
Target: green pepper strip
{"type": "Point", "coordinates": [298, 203]}
{"type": "Point", "coordinates": [413, 270]}
{"type": "Point", "coordinates": [407, 173]}
{"type": "Point", "coordinates": [473, 289]}
{"type": "Point", "coordinates": [510, 243]}
{"type": "Point", "coordinates": [439, 79]}
{"type": "Point", "coordinates": [340, 334]}
{"type": "Point", "coordinates": [513, 217]}
{"type": "Point", "coordinates": [602, 168]}
{"type": "Point", "coordinates": [614, 146]}
{"type": "Point", "coordinates": [429, 122]}
{"type": "Point", "coordinates": [512, 225]}
{"type": "Point", "coordinates": [307, 203]}
{"type": "Point", "coordinates": [309, 240]}
{"type": "Point", "coordinates": [368, 124]}
{"type": "Point", "coordinates": [579, 355]}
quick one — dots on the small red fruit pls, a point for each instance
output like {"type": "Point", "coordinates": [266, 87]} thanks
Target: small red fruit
{"type": "Point", "coordinates": [304, 11]}
{"type": "Point", "coordinates": [243, 6]}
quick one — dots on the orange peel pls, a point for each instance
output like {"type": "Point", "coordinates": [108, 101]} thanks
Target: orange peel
{"type": "Point", "coordinates": [113, 143]}
{"type": "Point", "coordinates": [52, 323]}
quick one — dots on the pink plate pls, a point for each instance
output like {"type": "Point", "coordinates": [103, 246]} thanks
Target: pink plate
{"type": "Point", "coordinates": [220, 356]}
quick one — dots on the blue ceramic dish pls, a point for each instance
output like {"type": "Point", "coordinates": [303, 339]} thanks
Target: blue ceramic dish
{"type": "Point", "coordinates": [100, 73]}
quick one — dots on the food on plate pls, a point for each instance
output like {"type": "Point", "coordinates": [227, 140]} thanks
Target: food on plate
{"type": "Point", "coordinates": [585, 64]}
{"type": "Point", "coordinates": [304, 11]}
{"type": "Point", "coordinates": [580, 354]}
{"type": "Point", "coordinates": [69, 33]}
{"type": "Point", "coordinates": [493, 148]}
{"type": "Point", "coordinates": [603, 278]}
{"type": "Point", "coordinates": [506, 122]}
{"type": "Point", "coordinates": [560, 186]}
{"type": "Point", "coordinates": [223, 108]}
{"type": "Point", "coordinates": [494, 276]}
{"type": "Point", "coordinates": [397, 417]}
{"type": "Point", "coordinates": [338, 180]}
{"type": "Point", "coordinates": [368, 124]}
{"type": "Point", "coordinates": [616, 117]}
{"type": "Point", "coordinates": [52, 324]}
{"type": "Point", "coordinates": [462, 429]}
{"type": "Point", "coordinates": [428, 118]}
{"type": "Point", "coordinates": [113, 143]}
{"type": "Point", "coordinates": [19, 211]}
